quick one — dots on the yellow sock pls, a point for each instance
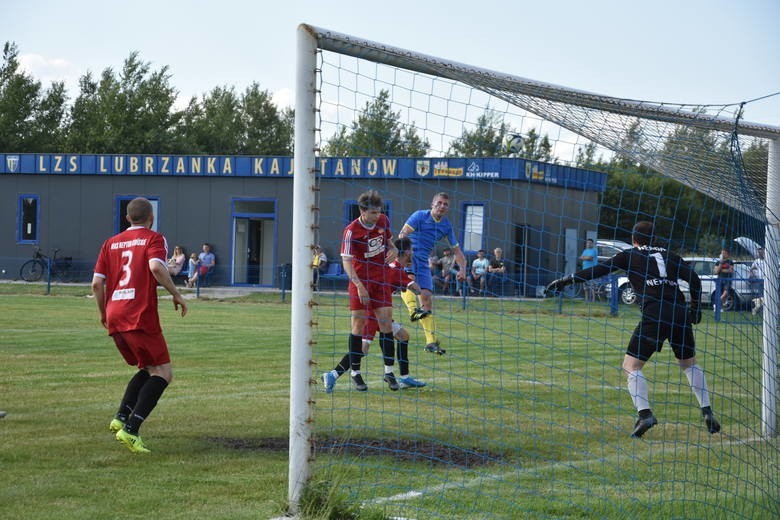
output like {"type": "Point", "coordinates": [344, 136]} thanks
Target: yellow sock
{"type": "Point", "coordinates": [429, 328]}
{"type": "Point", "coordinates": [410, 300]}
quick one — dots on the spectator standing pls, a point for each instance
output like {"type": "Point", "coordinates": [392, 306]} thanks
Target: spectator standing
{"type": "Point", "coordinates": [757, 273]}
{"type": "Point", "coordinates": [590, 258]}
{"type": "Point", "coordinates": [319, 264]}
{"type": "Point", "coordinates": [724, 268]}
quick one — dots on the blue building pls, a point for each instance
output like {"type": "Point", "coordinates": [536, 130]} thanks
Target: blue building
{"type": "Point", "coordinates": [243, 206]}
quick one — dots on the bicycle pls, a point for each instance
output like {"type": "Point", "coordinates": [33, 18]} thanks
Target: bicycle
{"type": "Point", "coordinates": [61, 268]}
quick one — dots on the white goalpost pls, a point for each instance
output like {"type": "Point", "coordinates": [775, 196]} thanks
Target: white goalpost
{"type": "Point", "coordinates": [525, 414]}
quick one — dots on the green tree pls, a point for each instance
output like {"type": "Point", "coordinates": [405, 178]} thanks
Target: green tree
{"type": "Point", "coordinates": [31, 119]}
{"type": "Point", "coordinates": [377, 131]}
{"type": "Point", "coordinates": [268, 131]}
{"type": "Point", "coordinates": [485, 140]}
{"type": "Point", "coordinates": [536, 148]}
{"type": "Point", "coordinates": [129, 114]}
{"type": "Point", "coordinates": [630, 147]}
{"type": "Point", "coordinates": [213, 125]}
{"type": "Point", "coordinates": [586, 156]}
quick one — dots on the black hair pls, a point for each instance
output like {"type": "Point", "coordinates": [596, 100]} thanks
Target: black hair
{"type": "Point", "coordinates": [642, 233]}
{"type": "Point", "coordinates": [403, 244]}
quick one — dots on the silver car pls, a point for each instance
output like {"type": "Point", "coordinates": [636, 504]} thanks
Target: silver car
{"type": "Point", "coordinates": [740, 294]}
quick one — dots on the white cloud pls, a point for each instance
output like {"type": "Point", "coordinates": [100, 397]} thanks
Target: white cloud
{"type": "Point", "coordinates": [284, 98]}
{"type": "Point", "coordinates": [46, 70]}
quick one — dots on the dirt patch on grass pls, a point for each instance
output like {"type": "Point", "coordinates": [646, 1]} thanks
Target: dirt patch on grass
{"type": "Point", "coordinates": [405, 450]}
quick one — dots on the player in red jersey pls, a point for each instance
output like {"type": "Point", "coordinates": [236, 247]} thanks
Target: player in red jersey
{"type": "Point", "coordinates": [397, 278]}
{"type": "Point", "coordinates": [365, 249]}
{"type": "Point", "coordinates": [128, 269]}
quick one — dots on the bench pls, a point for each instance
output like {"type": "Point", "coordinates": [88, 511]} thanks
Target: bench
{"type": "Point", "coordinates": [335, 276]}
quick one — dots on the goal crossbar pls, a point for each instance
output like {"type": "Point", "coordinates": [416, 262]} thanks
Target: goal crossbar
{"type": "Point", "coordinates": [482, 78]}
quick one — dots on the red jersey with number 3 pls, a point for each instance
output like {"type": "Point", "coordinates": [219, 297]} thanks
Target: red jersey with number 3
{"type": "Point", "coordinates": [131, 288]}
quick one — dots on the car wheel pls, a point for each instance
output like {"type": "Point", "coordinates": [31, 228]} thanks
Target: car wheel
{"type": "Point", "coordinates": [627, 294]}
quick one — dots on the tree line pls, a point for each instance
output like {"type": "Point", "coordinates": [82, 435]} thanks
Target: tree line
{"type": "Point", "coordinates": [133, 111]}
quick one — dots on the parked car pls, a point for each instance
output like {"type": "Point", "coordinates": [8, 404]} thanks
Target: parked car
{"type": "Point", "coordinates": [740, 295]}
{"type": "Point", "coordinates": [609, 248]}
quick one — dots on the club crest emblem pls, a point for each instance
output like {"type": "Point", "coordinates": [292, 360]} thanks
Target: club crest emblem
{"type": "Point", "coordinates": [423, 168]}
{"type": "Point", "coordinates": [11, 163]}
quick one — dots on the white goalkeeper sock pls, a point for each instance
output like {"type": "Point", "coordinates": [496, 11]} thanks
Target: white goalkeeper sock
{"type": "Point", "coordinates": [698, 384]}
{"type": "Point", "coordinates": [637, 388]}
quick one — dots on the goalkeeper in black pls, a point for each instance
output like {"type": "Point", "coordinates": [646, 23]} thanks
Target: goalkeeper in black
{"type": "Point", "coordinates": [654, 273]}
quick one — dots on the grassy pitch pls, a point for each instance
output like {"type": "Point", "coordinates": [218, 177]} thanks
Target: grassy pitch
{"type": "Point", "coordinates": [526, 416]}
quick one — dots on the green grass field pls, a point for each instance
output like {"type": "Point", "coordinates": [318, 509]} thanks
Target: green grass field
{"type": "Point", "coordinates": [525, 417]}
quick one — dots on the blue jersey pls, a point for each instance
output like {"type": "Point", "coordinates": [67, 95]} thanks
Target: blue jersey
{"type": "Point", "coordinates": [426, 231]}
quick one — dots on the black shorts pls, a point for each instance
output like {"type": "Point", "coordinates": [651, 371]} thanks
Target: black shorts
{"type": "Point", "coordinates": [662, 321]}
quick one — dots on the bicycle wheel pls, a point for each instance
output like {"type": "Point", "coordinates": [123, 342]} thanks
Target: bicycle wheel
{"type": "Point", "coordinates": [31, 271]}
{"type": "Point", "coordinates": [64, 274]}
{"type": "Point", "coordinates": [573, 290]}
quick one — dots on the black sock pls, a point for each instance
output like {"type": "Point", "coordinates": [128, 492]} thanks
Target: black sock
{"type": "Point", "coordinates": [131, 394]}
{"type": "Point", "coordinates": [644, 414]}
{"type": "Point", "coordinates": [343, 365]}
{"type": "Point", "coordinates": [706, 410]}
{"type": "Point", "coordinates": [387, 344]}
{"type": "Point", "coordinates": [147, 399]}
{"type": "Point", "coordinates": [403, 357]}
{"type": "Point", "coordinates": [355, 351]}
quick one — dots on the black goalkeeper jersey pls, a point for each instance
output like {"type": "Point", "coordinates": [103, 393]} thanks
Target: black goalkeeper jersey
{"type": "Point", "coordinates": [652, 271]}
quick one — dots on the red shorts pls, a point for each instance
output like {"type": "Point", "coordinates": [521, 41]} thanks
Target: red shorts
{"type": "Point", "coordinates": [378, 296]}
{"type": "Point", "coordinates": [142, 349]}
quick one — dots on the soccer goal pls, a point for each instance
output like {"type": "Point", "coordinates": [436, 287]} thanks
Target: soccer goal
{"type": "Point", "coordinates": [527, 414]}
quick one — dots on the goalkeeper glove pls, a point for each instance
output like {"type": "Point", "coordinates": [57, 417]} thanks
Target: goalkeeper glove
{"type": "Point", "coordinates": [558, 285]}
{"type": "Point", "coordinates": [694, 312]}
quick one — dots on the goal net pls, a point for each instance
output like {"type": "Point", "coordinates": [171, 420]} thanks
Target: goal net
{"type": "Point", "coordinates": [527, 414]}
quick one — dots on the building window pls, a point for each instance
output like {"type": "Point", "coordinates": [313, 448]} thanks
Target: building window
{"type": "Point", "coordinates": [29, 210]}
{"type": "Point", "coordinates": [352, 211]}
{"type": "Point", "coordinates": [121, 223]}
{"type": "Point", "coordinates": [473, 227]}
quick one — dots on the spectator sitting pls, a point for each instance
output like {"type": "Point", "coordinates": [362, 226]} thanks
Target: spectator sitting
{"type": "Point", "coordinates": [479, 268]}
{"type": "Point", "coordinates": [206, 260]}
{"type": "Point", "coordinates": [176, 261]}
{"type": "Point", "coordinates": [193, 270]}
{"type": "Point", "coordinates": [434, 264]}
{"type": "Point", "coordinates": [448, 269]}
{"type": "Point", "coordinates": [497, 272]}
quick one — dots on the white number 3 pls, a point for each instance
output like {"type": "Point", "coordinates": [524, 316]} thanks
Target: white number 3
{"type": "Point", "coordinates": [127, 258]}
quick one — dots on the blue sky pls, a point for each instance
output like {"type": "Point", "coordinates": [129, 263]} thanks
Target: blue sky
{"type": "Point", "coordinates": [697, 52]}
